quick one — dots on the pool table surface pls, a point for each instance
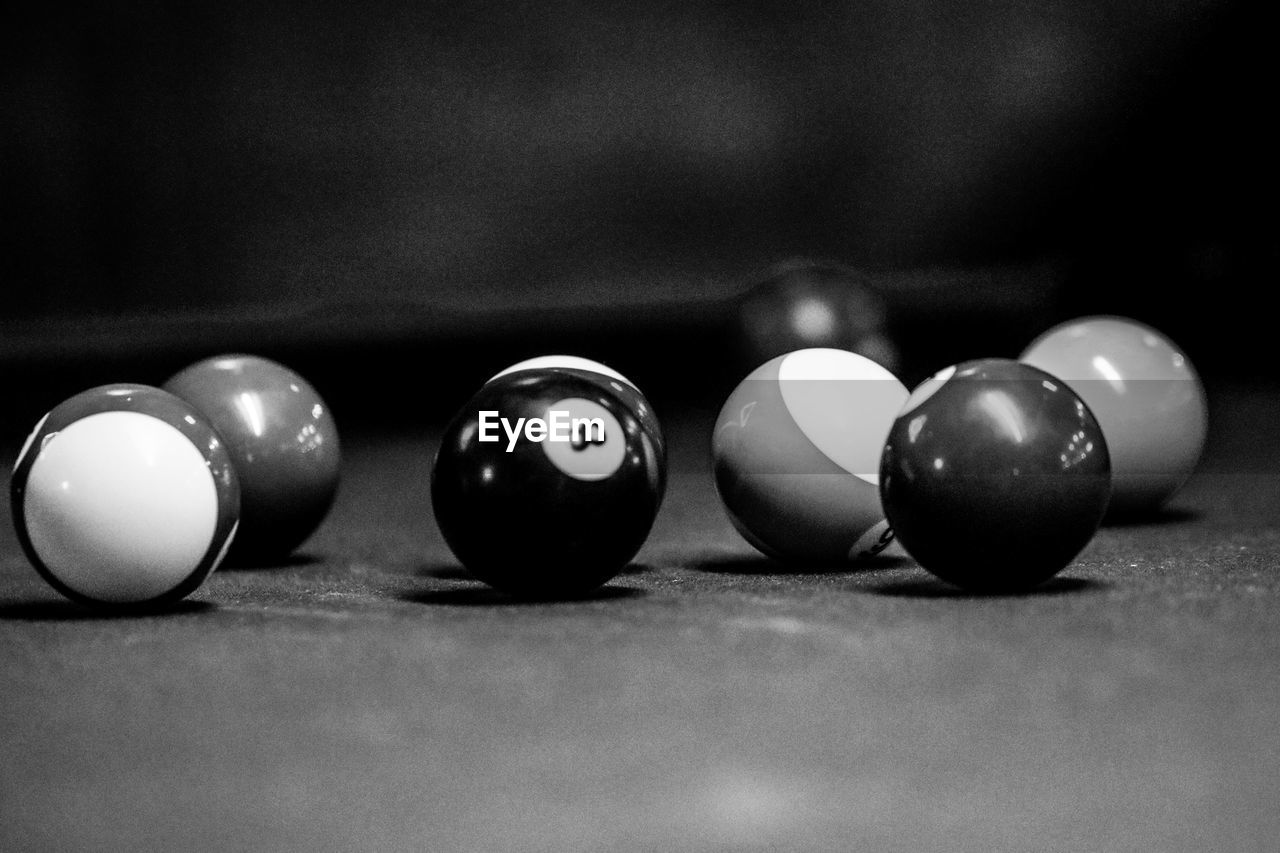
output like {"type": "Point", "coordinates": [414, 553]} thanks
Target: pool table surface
{"type": "Point", "coordinates": [369, 696]}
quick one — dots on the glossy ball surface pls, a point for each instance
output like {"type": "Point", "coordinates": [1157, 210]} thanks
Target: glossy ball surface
{"type": "Point", "coordinates": [283, 441]}
{"type": "Point", "coordinates": [611, 380]}
{"type": "Point", "coordinates": [796, 454]}
{"type": "Point", "coordinates": [995, 475]}
{"type": "Point", "coordinates": [807, 305]}
{"type": "Point", "coordinates": [124, 495]}
{"type": "Point", "coordinates": [1144, 392]}
{"type": "Point", "coordinates": [549, 519]}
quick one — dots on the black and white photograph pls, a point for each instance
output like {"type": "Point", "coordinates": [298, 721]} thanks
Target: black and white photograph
{"type": "Point", "coordinates": [569, 427]}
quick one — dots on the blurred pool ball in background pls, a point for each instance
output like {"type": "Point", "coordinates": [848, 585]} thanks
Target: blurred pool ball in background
{"type": "Point", "coordinates": [804, 304]}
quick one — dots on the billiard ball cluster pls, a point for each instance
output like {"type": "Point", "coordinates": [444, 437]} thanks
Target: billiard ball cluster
{"type": "Point", "coordinates": [128, 495]}
{"type": "Point", "coordinates": [993, 474]}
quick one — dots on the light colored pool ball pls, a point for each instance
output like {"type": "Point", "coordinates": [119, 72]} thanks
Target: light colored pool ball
{"type": "Point", "coordinates": [283, 441]}
{"type": "Point", "coordinates": [796, 453]}
{"type": "Point", "coordinates": [124, 495]}
{"type": "Point", "coordinates": [1146, 396]}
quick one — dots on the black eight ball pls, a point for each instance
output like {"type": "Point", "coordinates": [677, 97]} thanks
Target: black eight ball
{"type": "Point", "coordinates": [549, 518]}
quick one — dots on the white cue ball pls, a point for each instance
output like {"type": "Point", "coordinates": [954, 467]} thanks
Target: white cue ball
{"type": "Point", "coordinates": [125, 495]}
{"type": "Point", "coordinates": [796, 452]}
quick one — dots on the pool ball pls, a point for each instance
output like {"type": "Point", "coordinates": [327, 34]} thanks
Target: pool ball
{"type": "Point", "coordinates": [614, 381]}
{"type": "Point", "coordinates": [124, 495]}
{"type": "Point", "coordinates": [805, 304]}
{"type": "Point", "coordinates": [995, 475]}
{"type": "Point", "coordinates": [546, 484]}
{"type": "Point", "coordinates": [796, 454]}
{"type": "Point", "coordinates": [1146, 395]}
{"type": "Point", "coordinates": [283, 441]}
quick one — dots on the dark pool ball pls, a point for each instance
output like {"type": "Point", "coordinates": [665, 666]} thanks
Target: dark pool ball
{"type": "Point", "coordinates": [555, 512]}
{"type": "Point", "coordinates": [124, 495]}
{"type": "Point", "coordinates": [804, 304]}
{"type": "Point", "coordinates": [995, 475]}
{"type": "Point", "coordinates": [283, 442]}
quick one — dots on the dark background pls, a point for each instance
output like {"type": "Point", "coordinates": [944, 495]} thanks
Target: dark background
{"type": "Point", "coordinates": [371, 191]}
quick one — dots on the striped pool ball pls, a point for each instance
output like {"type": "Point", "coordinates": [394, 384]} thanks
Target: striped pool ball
{"type": "Point", "coordinates": [124, 495]}
{"type": "Point", "coordinates": [796, 452]}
